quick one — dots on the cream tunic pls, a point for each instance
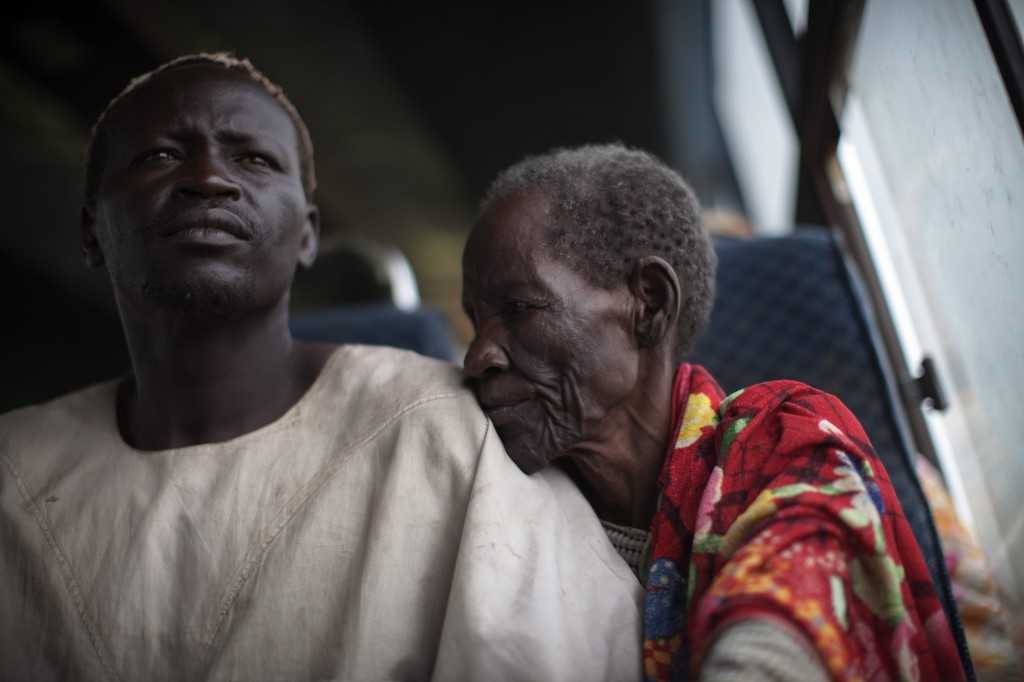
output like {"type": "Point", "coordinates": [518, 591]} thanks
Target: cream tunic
{"type": "Point", "coordinates": [375, 531]}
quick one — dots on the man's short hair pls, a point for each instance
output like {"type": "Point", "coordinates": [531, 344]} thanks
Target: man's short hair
{"type": "Point", "coordinates": [612, 206]}
{"type": "Point", "coordinates": [96, 154]}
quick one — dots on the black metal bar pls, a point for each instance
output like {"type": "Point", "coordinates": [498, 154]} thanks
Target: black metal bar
{"type": "Point", "coordinates": [816, 122]}
{"type": "Point", "coordinates": [784, 51]}
{"type": "Point", "coordinates": [1005, 41]}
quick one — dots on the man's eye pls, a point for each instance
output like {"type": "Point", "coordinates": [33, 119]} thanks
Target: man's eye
{"type": "Point", "coordinates": [157, 155]}
{"type": "Point", "coordinates": [257, 159]}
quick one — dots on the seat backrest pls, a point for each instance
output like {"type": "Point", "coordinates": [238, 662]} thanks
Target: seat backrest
{"type": "Point", "coordinates": [792, 307]}
{"type": "Point", "coordinates": [423, 330]}
{"type": "Point", "coordinates": [361, 290]}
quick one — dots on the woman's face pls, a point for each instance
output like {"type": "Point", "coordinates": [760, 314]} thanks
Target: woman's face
{"type": "Point", "coordinates": [553, 355]}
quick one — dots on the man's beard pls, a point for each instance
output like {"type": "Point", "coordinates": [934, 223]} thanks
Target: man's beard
{"type": "Point", "coordinates": [198, 296]}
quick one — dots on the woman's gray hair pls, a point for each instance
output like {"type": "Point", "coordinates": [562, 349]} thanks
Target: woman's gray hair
{"type": "Point", "coordinates": [612, 206]}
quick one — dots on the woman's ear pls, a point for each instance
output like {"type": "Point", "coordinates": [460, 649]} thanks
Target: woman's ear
{"type": "Point", "coordinates": [656, 288]}
{"type": "Point", "coordinates": [91, 251]}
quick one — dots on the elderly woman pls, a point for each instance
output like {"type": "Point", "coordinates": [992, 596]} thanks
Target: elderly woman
{"type": "Point", "coordinates": [762, 525]}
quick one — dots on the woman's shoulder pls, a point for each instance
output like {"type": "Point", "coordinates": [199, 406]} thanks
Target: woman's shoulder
{"type": "Point", "coordinates": [784, 405]}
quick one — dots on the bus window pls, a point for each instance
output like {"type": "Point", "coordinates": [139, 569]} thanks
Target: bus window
{"type": "Point", "coordinates": [908, 118]}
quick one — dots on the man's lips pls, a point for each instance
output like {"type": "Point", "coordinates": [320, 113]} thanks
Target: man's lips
{"type": "Point", "coordinates": [212, 228]}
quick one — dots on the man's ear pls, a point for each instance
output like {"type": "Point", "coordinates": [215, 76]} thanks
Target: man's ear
{"type": "Point", "coordinates": [91, 251]}
{"type": "Point", "coordinates": [310, 243]}
{"type": "Point", "coordinates": [656, 288]}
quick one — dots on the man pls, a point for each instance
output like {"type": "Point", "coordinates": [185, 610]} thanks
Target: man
{"type": "Point", "coordinates": [247, 506]}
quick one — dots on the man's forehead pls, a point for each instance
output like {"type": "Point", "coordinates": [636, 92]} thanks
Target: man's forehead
{"type": "Point", "coordinates": [199, 72]}
{"type": "Point", "coordinates": [193, 88]}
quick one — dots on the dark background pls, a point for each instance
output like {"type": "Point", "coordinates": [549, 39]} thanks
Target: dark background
{"type": "Point", "coordinates": [413, 108]}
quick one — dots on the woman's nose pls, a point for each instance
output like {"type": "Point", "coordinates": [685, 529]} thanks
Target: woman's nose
{"type": "Point", "coordinates": [207, 175]}
{"type": "Point", "coordinates": [485, 355]}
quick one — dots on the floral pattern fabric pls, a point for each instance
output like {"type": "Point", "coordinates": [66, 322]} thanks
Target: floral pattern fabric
{"type": "Point", "coordinates": [774, 505]}
{"type": "Point", "coordinates": [990, 628]}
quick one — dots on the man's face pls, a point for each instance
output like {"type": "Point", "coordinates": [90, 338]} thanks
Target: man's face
{"type": "Point", "coordinates": [553, 355]}
{"type": "Point", "coordinates": [201, 206]}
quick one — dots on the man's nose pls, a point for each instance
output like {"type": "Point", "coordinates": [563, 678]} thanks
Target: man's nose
{"type": "Point", "coordinates": [485, 355]}
{"type": "Point", "coordinates": [207, 175]}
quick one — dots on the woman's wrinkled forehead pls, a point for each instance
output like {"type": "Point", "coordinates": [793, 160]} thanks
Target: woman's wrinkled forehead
{"type": "Point", "coordinates": [517, 219]}
{"type": "Point", "coordinates": [509, 225]}
{"type": "Point", "coordinates": [506, 244]}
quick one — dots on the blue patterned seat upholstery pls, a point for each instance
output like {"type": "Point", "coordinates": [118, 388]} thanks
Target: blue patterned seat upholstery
{"type": "Point", "coordinates": [423, 330]}
{"type": "Point", "coordinates": [791, 308]}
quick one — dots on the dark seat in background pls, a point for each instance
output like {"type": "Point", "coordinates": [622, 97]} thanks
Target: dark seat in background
{"type": "Point", "coordinates": [364, 291]}
{"type": "Point", "coordinates": [792, 308]}
{"type": "Point", "coordinates": [423, 330]}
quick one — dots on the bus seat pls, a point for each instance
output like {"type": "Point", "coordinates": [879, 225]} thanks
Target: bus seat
{"type": "Point", "coordinates": [792, 307]}
{"type": "Point", "coordinates": [361, 290]}
{"type": "Point", "coordinates": [423, 330]}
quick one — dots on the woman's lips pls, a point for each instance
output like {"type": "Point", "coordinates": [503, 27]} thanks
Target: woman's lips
{"type": "Point", "coordinates": [502, 414]}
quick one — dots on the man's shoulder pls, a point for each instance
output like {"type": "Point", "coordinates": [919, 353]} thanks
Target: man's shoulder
{"type": "Point", "coordinates": [372, 385]}
{"type": "Point", "coordinates": [91, 407]}
{"type": "Point", "coordinates": [402, 375]}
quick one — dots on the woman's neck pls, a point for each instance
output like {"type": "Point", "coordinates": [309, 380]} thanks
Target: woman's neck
{"type": "Point", "coordinates": [619, 474]}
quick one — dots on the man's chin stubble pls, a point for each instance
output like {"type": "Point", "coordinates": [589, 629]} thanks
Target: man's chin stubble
{"type": "Point", "coordinates": [199, 298]}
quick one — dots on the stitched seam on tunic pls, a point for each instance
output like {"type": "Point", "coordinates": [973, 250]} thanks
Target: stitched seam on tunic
{"type": "Point", "coordinates": [65, 568]}
{"type": "Point", "coordinates": [451, 578]}
{"type": "Point", "coordinates": [298, 501]}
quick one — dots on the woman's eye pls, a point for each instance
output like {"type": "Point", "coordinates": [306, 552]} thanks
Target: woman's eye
{"type": "Point", "coordinates": [515, 307]}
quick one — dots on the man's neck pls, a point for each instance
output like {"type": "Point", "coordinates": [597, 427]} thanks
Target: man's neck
{"type": "Point", "coordinates": [208, 381]}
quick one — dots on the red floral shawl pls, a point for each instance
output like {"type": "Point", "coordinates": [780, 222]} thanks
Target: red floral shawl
{"type": "Point", "coordinates": [773, 504]}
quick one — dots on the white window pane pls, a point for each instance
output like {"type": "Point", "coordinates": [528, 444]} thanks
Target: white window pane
{"type": "Point", "coordinates": [942, 163]}
{"type": "Point", "coordinates": [754, 118]}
